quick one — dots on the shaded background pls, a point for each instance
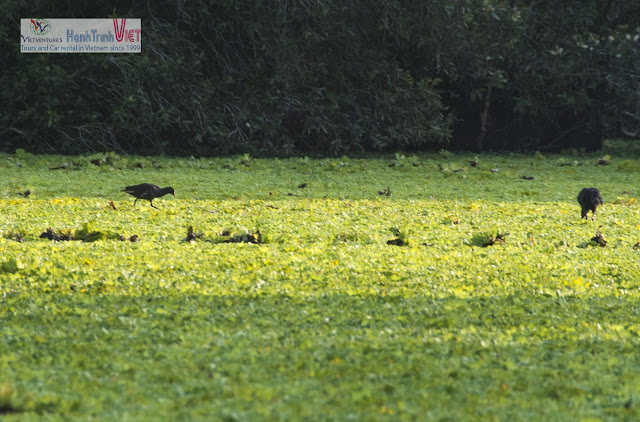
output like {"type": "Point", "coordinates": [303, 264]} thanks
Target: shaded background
{"type": "Point", "coordinates": [328, 78]}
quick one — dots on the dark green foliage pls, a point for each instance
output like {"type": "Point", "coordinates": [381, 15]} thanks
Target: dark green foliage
{"type": "Point", "coordinates": [311, 77]}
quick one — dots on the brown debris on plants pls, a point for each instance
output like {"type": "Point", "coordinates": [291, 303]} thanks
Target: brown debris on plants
{"type": "Point", "coordinates": [598, 239]}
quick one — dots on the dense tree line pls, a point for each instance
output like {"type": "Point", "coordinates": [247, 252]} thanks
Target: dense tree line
{"type": "Point", "coordinates": [329, 77]}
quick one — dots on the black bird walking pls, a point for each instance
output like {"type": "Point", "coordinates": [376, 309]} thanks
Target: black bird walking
{"type": "Point", "coordinates": [148, 191]}
{"type": "Point", "coordinates": [589, 199]}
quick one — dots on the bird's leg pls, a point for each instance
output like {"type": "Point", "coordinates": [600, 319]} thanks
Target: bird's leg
{"type": "Point", "coordinates": [134, 202]}
{"type": "Point", "coordinates": [151, 202]}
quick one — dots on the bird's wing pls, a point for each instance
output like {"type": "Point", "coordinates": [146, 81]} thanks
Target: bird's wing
{"type": "Point", "coordinates": [150, 193]}
{"type": "Point", "coordinates": [143, 190]}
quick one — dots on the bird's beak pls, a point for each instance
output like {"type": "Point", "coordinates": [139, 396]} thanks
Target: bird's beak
{"type": "Point", "coordinates": [174, 194]}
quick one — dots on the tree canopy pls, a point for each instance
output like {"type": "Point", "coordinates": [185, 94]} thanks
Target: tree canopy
{"type": "Point", "coordinates": [329, 77]}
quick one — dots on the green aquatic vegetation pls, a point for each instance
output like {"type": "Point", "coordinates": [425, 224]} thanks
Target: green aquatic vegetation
{"type": "Point", "coordinates": [322, 318]}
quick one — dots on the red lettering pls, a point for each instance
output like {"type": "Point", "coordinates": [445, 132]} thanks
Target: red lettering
{"type": "Point", "coordinates": [133, 35]}
{"type": "Point", "coordinates": [119, 30]}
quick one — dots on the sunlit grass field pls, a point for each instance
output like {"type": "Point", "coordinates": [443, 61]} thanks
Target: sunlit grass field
{"type": "Point", "coordinates": [323, 319]}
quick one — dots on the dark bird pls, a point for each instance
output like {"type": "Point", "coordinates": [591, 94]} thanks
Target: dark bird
{"type": "Point", "coordinates": [148, 191]}
{"type": "Point", "coordinates": [589, 199]}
